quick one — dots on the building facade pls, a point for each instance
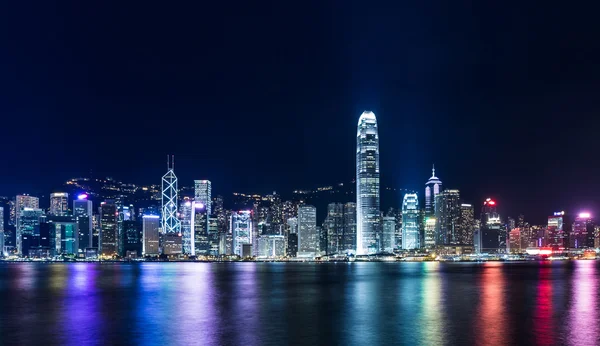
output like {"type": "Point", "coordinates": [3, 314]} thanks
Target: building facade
{"type": "Point", "coordinates": [432, 188]}
{"type": "Point", "coordinates": [202, 193]}
{"type": "Point", "coordinates": [367, 184]}
{"type": "Point", "coordinates": [150, 235]}
{"type": "Point", "coordinates": [410, 222]}
{"type": "Point", "coordinates": [308, 236]}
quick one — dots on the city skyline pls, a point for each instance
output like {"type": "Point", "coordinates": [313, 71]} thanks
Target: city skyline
{"type": "Point", "coordinates": [510, 121]}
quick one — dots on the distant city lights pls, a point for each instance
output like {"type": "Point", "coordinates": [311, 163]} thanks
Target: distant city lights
{"type": "Point", "coordinates": [585, 215]}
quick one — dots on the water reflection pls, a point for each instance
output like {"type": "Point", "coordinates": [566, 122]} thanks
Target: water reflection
{"type": "Point", "coordinates": [543, 327]}
{"type": "Point", "coordinates": [583, 319]}
{"type": "Point", "coordinates": [278, 304]}
{"type": "Point", "coordinates": [492, 322]}
{"type": "Point", "coordinates": [432, 318]}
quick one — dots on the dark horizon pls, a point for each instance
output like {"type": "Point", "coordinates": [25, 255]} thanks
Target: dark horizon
{"type": "Point", "coordinates": [266, 97]}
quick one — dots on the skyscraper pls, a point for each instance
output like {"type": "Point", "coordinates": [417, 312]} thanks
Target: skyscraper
{"type": "Point", "coordinates": [199, 229]}
{"type": "Point", "coordinates": [22, 202]}
{"type": "Point", "coordinates": [349, 232]}
{"type": "Point", "coordinates": [410, 222]}
{"type": "Point", "coordinates": [185, 215]}
{"type": "Point", "coordinates": [308, 236]}
{"type": "Point", "coordinates": [582, 234]}
{"type": "Point", "coordinates": [2, 252]}
{"type": "Point", "coordinates": [334, 226]}
{"type": "Point", "coordinates": [466, 226]}
{"type": "Point", "coordinates": [202, 194]}
{"type": "Point", "coordinates": [150, 235]}
{"type": "Point", "coordinates": [82, 211]}
{"type": "Point", "coordinates": [492, 234]}
{"type": "Point", "coordinates": [388, 239]}
{"type": "Point", "coordinates": [367, 184]}
{"type": "Point", "coordinates": [108, 229]}
{"type": "Point", "coordinates": [59, 204]}
{"type": "Point", "coordinates": [241, 225]}
{"type": "Point", "coordinates": [432, 188]}
{"type": "Point", "coordinates": [447, 214]}
{"type": "Point", "coordinates": [170, 221]}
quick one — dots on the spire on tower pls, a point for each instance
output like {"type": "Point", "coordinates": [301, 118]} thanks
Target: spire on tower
{"type": "Point", "coordinates": [433, 171]}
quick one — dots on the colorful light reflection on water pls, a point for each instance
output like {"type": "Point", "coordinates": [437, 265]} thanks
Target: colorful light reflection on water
{"type": "Point", "coordinates": [274, 303]}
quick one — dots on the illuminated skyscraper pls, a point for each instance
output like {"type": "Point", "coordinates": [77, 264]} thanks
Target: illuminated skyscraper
{"type": "Point", "coordinates": [388, 239]}
{"type": "Point", "coordinates": [559, 229]}
{"type": "Point", "coordinates": [241, 225]}
{"type": "Point", "coordinates": [410, 222]}
{"type": "Point", "coordinates": [334, 226]}
{"type": "Point", "coordinates": [432, 188]}
{"type": "Point", "coordinates": [582, 234]}
{"type": "Point", "coordinates": [492, 234]}
{"type": "Point", "coordinates": [202, 194]}
{"type": "Point", "coordinates": [59, 204]}
{"type": "Point", "coordinates": [349, 237]}
{"type": "Point", "coordinates": [367, 184]}
{"type": "Point", "coordinates": [429, 238]}
{"type": "Point", "coordinates": [108, 229]}
{"type": "Point", "coordinates": [199, 229]}
{"type": "Point", "coordinates": [170, 222]}
{"type": "Point", "coordinates": [447, 214]}
{"type": "Point", "coordinates": [2, 252]}
{"type": "Point", "coordinates": [185, 215]}
{"type": "Point", "coordinates": [21, 202]}
{"type": "Point", "coordinates": [82, 211]}
{"type": "Point", "coordinates": [308, 235]}
{"type": "Point", "coordinates": [466, 226]}
{"type": "Point", "coordinates": [150, 235]}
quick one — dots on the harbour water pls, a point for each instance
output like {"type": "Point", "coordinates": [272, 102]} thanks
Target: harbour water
{"type": "Point", "coordinates": [430, 303]}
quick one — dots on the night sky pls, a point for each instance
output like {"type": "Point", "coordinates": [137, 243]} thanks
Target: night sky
{"type": "Point", "coordinates": [503, 97]}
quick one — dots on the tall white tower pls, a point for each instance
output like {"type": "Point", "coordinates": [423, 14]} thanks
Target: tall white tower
{"type": "Point", "coordinates": [367, 184]}
{"type": "Point", "coordinates": [170, 222]}
{"type": "Point", "coordinates": [432, 188]}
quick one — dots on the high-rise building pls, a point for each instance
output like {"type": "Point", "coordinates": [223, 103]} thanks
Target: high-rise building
{"type": "Point", "coordinates": [59, 204]}
{"type": "Point", "coordinates": [150, 235]}
{"type": "Point", "coordinates": [559, 229]}
{"type": "Point", "coordinates": [292, 245]}
{"type": "Point", "coordinates": [199, 229]}
{"type": "Point", "coordinates": [172, 244]}
{"type": "Point", "coordinates": [22, 202]}
{"type": "Point", "coordinates": [202, 194]}
{"type": "Point", "coordinates": [82, 211]}
{"type": "Point", "coordinates": [492, 233]}
{"type": "Point", "coordinates": [582, 234]}
{"type": "Point", "coordinates": [271, 246]}
{"type": "Point", "coordinates": [410, 222]}
{"type": "Point", "coordinates": [515, 241]}
{"type": "Point", "coordinates": [308, 236]}
{"type": "Point", "coordinates": [430, 224]}
{"type": "Point", "coordinates": [367, 184]}
{"type": "Point", "coordinates": [432, 188]}
{"type": "Point", "coordinates": [334, 226]}
{"type": "Point", "coordinates": [466, 224]}
{"type": "Point", "coordinates": [447, 214]}
{"type": "Point", "coordinates": [63, 233]}
{"type": "Point", "coordinates": [28, 224]}
{"type": "Point", "coordinates": [388, 239]}
{"type": "Point", "coordinates": [170, 222]}
{"type": "Point", "coordinates": [133, 238]}
{"type": "Point", "coordinates": [2, 249]}
{"type": "Point", "coordinates": [185, 216]}
{"type": "Point", "coordinates": [349, 233]}
{"type": "Point", "coordinates": [241, 226]}
{"type": "Point", "coordinates": [108, 229]}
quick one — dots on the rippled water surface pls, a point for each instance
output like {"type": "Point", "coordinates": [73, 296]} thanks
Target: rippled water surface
{"type": "Point", "coordinates": [301, 303]}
